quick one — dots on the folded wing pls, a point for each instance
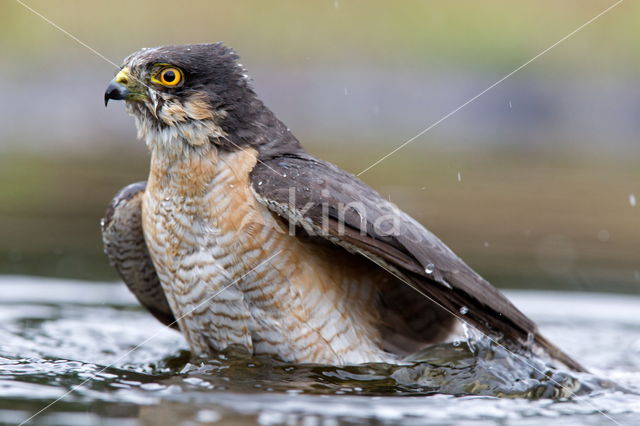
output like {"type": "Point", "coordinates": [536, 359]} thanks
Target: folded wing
{"type": "Point", "coordinates": [329, 203]}
{"type": "Point", "coordinates": [126, 249]}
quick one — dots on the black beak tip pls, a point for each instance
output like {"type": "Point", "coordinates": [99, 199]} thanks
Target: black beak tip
{"type": "Point", "coordinates": [115, 91]}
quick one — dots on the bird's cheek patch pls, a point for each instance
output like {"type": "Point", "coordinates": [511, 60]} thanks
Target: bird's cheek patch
{"type": "Point", "coordinates": [198, 108]}
{"type": "Point", "coordinates": [172, 113]}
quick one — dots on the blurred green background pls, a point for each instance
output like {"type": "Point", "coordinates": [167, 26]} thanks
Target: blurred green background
{"type": "Point", "coordinates": [535, 184]}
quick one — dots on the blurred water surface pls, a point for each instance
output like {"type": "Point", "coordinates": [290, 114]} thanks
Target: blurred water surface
{"type": "Point", "coordinates": [58, 336]}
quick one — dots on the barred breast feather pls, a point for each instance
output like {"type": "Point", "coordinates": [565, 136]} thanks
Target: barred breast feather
{"type": "Point", "coordinates": [234, 277]}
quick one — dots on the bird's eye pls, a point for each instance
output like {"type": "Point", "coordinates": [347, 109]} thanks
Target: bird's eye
{"type": "Point", "coordinates": [168, 76]}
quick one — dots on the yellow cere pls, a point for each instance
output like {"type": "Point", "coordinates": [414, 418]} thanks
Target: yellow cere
{"type": "Point", "coordinates": [123, 76]}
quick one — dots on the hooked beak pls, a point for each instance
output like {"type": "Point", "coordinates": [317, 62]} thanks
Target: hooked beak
{"type": "Point", "coordinates": [118, 87]}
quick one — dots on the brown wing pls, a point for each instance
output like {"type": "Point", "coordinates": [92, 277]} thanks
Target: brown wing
{"type": "Point", "coordinates": [300, 188]}
{"type": "Point", "coordinates": [127, 251]}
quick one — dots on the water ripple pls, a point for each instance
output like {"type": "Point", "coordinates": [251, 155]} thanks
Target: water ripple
{"type": "Point", "coordinates": [57, 337]}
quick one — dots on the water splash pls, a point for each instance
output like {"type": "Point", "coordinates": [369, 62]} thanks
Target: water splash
{"type": "Point", "coordinates": [531, 337]}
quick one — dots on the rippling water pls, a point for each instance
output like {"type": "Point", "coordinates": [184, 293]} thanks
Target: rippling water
{"type": "Point", "coordinates": [74, 342]}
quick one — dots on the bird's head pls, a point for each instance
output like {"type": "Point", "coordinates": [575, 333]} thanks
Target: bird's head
{"type": "Point", "coordinates": [190, 95]}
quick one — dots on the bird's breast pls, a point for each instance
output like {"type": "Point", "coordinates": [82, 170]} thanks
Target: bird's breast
{"type": "Point", "coordinates": [233, 274]}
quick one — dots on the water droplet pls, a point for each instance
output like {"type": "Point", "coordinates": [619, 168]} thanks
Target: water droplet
{"type": "Point", "coordinates": [464, 310]}
{"type": "Point", "coordinates": [633, 201]}
{"type": "Point", "coordinates": [486, 244]}
{"type": "Point", "coordinates": [284, 175]}
{"type": "Point", "coordinates": [260, 183]}
{"type": "Point", "coordinates": [430, 268]}
{"type": "Point", "coordinates": [459, 177]}
{"type": "Point", "coordinates": [530, 339]}
{"type": "Point", "coordinates": [510, 105]}
{"type": "Point", "coordinates": [346, 92]}
{"type": "Point", "coordinates": [470, 336]}
{"type": "Point", "coordinates": [604, 235]}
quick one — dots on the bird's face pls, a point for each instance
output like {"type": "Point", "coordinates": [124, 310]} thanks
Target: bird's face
{"type": "Point", "coordinates": [192, 94]}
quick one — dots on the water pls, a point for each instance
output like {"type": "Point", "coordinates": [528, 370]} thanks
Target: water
{"type": "Point", "coordinates": [60, 335]}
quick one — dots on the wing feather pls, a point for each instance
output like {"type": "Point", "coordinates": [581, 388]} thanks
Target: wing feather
{"type": "Point", "coordinates": [330, 203]}
{"type": "Point", "coordinates": [126, 249]}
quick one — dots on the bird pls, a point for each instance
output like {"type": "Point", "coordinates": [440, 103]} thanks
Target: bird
{"type": "Point", "coordinates": [242, 240]}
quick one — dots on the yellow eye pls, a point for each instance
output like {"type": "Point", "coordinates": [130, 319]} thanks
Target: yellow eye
{"type": "Point", "coordinates": [168, 76]}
